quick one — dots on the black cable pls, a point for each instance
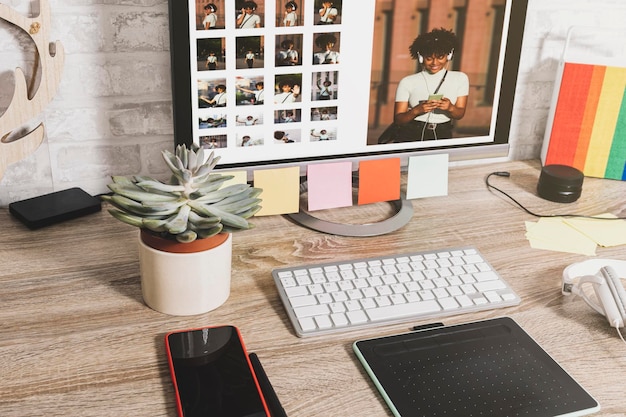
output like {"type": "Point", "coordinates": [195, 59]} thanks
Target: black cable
{"type": "Point", "coordinates": [520, 205]}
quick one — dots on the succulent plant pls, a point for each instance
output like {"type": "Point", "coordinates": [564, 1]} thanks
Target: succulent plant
{"type": "Point", "coordinates": [192, 205]}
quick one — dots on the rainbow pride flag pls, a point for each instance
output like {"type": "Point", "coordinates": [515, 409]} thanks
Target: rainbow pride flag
{"type": "Point", "coordinates": [589, 126]}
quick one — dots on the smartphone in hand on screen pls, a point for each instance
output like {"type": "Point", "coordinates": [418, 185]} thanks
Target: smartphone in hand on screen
{"type": "Point", "coordinates": [435, 97]}
{"type": "Point", "coordinates": [212, 374]}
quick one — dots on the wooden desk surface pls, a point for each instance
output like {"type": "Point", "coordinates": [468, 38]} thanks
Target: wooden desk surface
{"type": "Point", "coordinates": [77, 339]}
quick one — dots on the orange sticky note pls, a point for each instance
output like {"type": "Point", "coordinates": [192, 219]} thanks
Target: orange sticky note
{"type": "Point", "coordinates": [281, 190]}
{"type": "Point", "coordinates": [379, 180]}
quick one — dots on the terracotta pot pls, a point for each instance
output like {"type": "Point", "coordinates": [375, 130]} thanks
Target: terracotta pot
{"type": "Point", "coordinates": [184, 279]}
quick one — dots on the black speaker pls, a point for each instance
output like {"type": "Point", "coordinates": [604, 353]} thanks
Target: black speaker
{"type": "Point", "coordinates": [560, 183]}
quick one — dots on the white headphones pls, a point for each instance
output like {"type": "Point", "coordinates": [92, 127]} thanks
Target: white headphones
{"type": "Point", "coordinates": [604, 275]}
{"type": "Point", "coordinates": [420, 58]}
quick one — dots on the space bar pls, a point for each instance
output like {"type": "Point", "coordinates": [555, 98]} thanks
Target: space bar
{"type": "Point", "coordinates": [397, 311]}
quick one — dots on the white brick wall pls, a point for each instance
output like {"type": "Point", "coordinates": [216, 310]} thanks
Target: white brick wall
{"type": "Point", "coordinates": [112, 114]}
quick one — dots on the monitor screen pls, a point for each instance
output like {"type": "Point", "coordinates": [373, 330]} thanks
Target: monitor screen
{"type": "Point", "coordinates": [277, 83]}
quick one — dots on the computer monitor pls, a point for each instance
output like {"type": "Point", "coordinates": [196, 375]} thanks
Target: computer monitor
{"type": "Point", "coordinates": [275, 83]}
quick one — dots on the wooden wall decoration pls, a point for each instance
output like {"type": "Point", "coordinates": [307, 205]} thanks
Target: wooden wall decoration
{"type": "Point", "coordinates": [29, 100]}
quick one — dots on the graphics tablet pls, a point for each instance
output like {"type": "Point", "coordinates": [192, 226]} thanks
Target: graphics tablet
{"type": "Point", "coordinates": [486, 368]}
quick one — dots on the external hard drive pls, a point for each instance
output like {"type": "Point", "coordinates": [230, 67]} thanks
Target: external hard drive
{"type": "Point", "coordinates": [55, 207]}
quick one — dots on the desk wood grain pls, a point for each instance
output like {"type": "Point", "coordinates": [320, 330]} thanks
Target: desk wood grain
{"type": "Point", "coordinates": [77, 340]}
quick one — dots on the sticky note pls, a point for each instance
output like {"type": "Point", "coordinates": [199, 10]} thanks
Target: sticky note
{"type": "Point", "coordinates": [605, 233]}
{"type": "Point", "coordinates": [239, 177]}
{"type": "Point", "coordinates": [427, 176]}
{"type": "Point", "coordinates": [281, 190]}
{"type": "Point", "coordinates": [329, 185]}
{"type": "Point", "coordinates": [379, 180]}
{"type": "Point", "coordinates": [556, 235]}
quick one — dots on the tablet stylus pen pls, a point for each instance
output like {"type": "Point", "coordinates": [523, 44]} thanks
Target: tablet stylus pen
{"type": "Point", "coordinates": [273, 402]}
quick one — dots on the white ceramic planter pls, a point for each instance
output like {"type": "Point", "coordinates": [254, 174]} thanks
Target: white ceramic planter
{"type": "Point", "coordinates": [184, 284]}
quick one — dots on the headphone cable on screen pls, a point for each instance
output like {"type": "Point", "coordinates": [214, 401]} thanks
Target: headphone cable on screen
{"type": "Point", "coordinates": [520, 205]}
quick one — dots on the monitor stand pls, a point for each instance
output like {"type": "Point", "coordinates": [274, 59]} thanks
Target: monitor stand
{"type": "Point", "coordinates": [403, 212]}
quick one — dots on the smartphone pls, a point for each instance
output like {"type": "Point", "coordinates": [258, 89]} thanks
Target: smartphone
{"type": "Point", "coordinates": [435, 97]}
{"type": "Point", "coordinates": [212, 374]}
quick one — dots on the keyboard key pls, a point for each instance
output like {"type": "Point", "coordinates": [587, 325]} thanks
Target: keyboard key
{"type": "Point", "coordinates": [339, 319]}
{"type": "Point", "coordinates": [296, 291]}
{"type": "Point", "coordinates": [448, 303]}
{"type": "Point", "coordinates": [323, 322]}
{"type": "Point", "coordinates": [337, 307]}
{"type": "Point", "coordinates": [309, 311]}
{"type": "Point", "coordinates": [307, 324]}
{"type": "Point", "coordinates": [403, 310]}
{"type": "Point", "coordinates": [304, 300]}
{"type": "Point", "coordinates": [356, 317]}
{"type": "Point", "coordinates": [490, 286]}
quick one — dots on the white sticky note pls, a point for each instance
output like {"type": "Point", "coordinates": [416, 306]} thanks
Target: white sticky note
{"type": "Point", "coordinates": [427, 176]}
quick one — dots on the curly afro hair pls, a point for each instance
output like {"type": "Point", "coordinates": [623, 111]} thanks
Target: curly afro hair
{"type": "Point", "coordinates": [437, 42]}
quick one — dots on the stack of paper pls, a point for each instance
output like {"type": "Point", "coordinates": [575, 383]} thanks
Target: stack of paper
{"type": "Point", "coordinates": [576, 235]}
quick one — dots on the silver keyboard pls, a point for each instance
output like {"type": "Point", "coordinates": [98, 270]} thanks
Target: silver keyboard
{"type": "Point", "coordinates": [341, 296]}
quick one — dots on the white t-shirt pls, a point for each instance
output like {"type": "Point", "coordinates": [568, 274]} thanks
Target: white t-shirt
{"type": "Point", "coordinates": [284, 98]}
{"type": "Point", "coordinates": [287, 57]}
{"type": "Point", "coordinates": [416, 87]}
{"type": "Point", "coordinates": [210, 20]}
{"type": "Point", "coordinates": [220, 99]}
{"type": "Point", "coordinates": [327, 57]}
{"type": "Point", "coordinates": [250, 21]}
{"type": "Point", "coordinates": [329, 16]}
{"type": "Point", "coordinates": [290, 19]}
{"type": "Point", "coordinates": [259, 96]}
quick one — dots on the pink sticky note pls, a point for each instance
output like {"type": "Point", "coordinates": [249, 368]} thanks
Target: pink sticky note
{"type": "Point", "coordinates": [329, 185]}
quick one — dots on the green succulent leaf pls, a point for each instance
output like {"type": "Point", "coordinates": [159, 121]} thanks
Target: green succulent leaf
{"type": "Point", "coordinates": [250, 212]}
{"type": "Point", "coordinates": [204, 233]}
{"type": "Point", "coordinates": [140, 195]}
{"type": "Point", "coordinates": [178, 224]}
{"type": "Point", "coordinates": [227, 218]}
{"type": "Point", "coordinates": [186, 236]}
{"type": "Point", "coordinates": [239, 206]}
{"type": "Point", "coordinates": [159, 186]}
{"type": "Point", "coordinates": [133, 207]}
{"type": "Point", "coordinates": [202, 222]}
{"type": "Point", "coordinates": [218, 195]}
{"type": "Point", "coordinates": [127, 218]}
{"type": "Point", "coordinates": [156, 225]}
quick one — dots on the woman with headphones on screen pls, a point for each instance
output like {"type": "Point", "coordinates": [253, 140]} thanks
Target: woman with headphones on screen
{"type": "Point", "coordinates": [291, 18]}
{"type": "Point", "coordinates": [210, 18]}
{"type": "Point", "coordinates": [428, 101]}
{"type": "Point", "coordinates": [247, 18]}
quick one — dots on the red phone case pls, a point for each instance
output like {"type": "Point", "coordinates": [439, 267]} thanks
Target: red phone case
{"type": "Point", "coordinates": [170, 361]}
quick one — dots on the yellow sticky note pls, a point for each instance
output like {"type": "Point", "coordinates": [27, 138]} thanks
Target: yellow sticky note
{"type": "Point", "coordinates": [281, 190]}
{"type": "Point", "coordinates": [604, 232]}
{"type": "Point", "coordinates": [239, 177]}
{"type": "Point", "coordinates": [556, 235]}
